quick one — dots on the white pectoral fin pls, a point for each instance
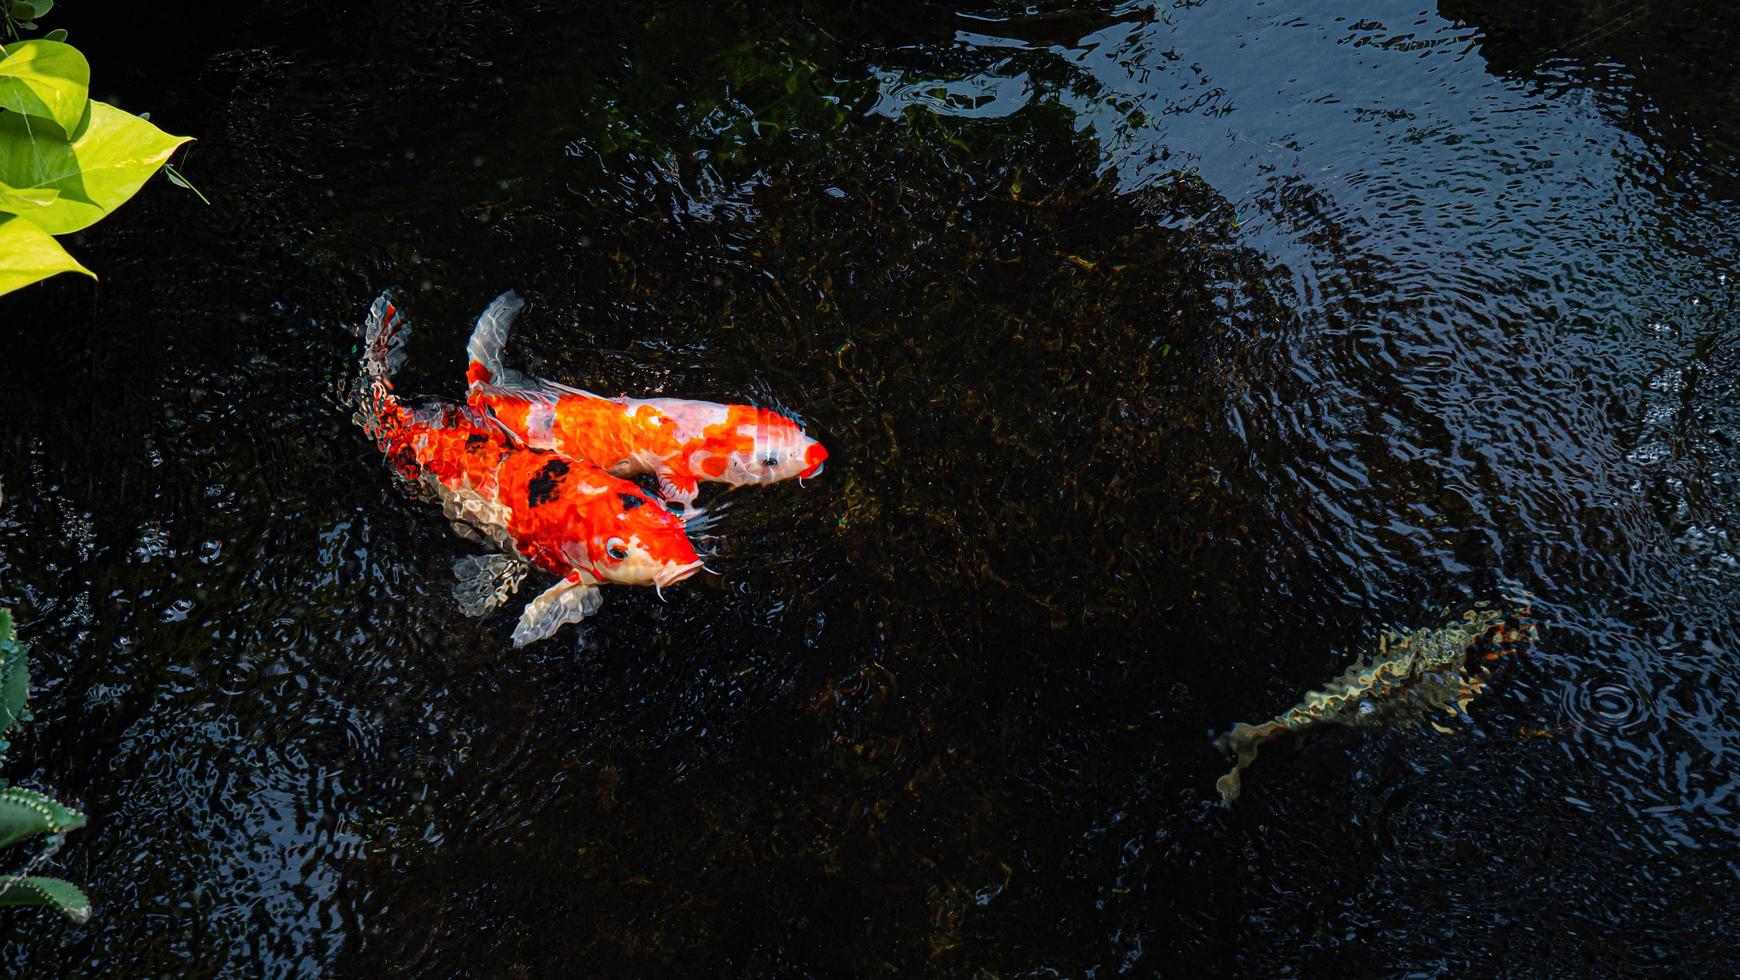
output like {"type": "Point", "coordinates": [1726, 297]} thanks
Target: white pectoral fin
{"type": "Point", "coordinates": [560, 604]}
{"type": "Point", "coordinates": [678, 487]}
{"type": "Point", "coordinates": [483, 582]}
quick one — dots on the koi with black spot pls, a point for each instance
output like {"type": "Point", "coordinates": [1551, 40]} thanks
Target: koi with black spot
{"type": "Point", "coordinates": [562, 515]}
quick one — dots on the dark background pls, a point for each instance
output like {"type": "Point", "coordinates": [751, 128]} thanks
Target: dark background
{"type": "Point", "coordinates": [1165, 355]}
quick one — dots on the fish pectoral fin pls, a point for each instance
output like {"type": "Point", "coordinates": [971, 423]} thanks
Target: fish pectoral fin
{"type": "Point", "coordinates": [501, 428]}
{"type": "Point", "coordinates": [483, 582]}
{"type": "Point", "coordinates": [678, 487]}
{"type": "Point", "coordinates": [560, 604]}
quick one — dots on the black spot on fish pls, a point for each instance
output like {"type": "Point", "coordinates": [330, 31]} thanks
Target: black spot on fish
{"type": "Point", "coordinates": [475, 440]}
{"type": "Point", "coordinates": [631, 500]}
{"type": "Point", "coordinates": [404, 460]}
{"type": "Point", "coordinates": [542, 488]}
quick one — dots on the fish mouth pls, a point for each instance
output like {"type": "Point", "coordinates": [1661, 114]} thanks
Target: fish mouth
{"type": "Point", "coordinates": [672, 574]}
{"type": "Point", "coordinates": [815, 455]}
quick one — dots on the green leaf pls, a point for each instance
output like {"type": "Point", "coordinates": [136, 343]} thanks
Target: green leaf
{"type": "Point", "coordinates": [27, 254]}
{"type": "Point", "coordinates": [14, 674]}
{"type": "Point", "coordinates": [47, 79]}
{"type": "Point", "coordinates": [51, 892]}
{"type": "Point", "coordinates": [58, 34]}
{"type": "Point", "coordinates": [178, 180]}
{"type": "Point", "coordinates": [42, 7]}
{"type": "Point", "coordinates": [106, 163]}
{"type": "Point", "coordinates": [26, 813]}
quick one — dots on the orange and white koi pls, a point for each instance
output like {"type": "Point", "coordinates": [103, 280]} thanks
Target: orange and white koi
{"type": "Point", "coordinates": [681, 441]}
{"type": "Point", "coordinates": [542, 508]}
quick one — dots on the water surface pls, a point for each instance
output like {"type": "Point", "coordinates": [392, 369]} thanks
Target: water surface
{"type": "Point", "coordinates": [1165, 353]}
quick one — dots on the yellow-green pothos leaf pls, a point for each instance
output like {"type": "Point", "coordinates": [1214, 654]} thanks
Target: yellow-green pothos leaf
{"type": "Point", "coordinates": [46, 79]}
{"type": "Point", "coordinates": [111, 156]}
{"type": "Point", "coordinates": [27, 254]}
{"type": "Point", "coordinates": [14, 200]}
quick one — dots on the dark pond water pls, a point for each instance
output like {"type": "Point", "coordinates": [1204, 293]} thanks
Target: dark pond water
{"type": "Point", "coordinates": [1165, 354]}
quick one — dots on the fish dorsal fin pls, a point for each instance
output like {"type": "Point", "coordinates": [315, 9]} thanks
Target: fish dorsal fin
{"type": "Point", "coordinates": [483, 582]}
{"type": "Point", "coordinates": [512, 384]}
{"type": "Point", "coordinates": [514, 392]}
{"type": "Point", "coordinates": [563, 603]}
{"type": "Point", "coordinates": [564, 389]}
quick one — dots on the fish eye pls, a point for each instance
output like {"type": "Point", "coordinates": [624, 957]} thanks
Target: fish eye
{"type": "Point", "coordinates": [770, 461]}
{"type": "Point", "coordinates": [616, 548]}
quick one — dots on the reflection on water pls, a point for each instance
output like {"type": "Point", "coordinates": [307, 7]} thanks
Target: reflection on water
{"type": "Point", "coordinates": [1163, 352]}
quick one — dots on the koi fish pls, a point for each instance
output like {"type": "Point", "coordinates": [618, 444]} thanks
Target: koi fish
{"type": "Point", "coordinates": [1415, 675]}
{"type": "Point", "coordinates": [543, 509]}
{"type": "Point", "coordinates": [682, 442]}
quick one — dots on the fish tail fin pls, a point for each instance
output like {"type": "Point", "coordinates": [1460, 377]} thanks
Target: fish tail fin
{"type": "Point", "coordinates": [489, 338]}
{"type": "Point", "coordinates": [384, 333]}
{"type": "Point", "coordinates": [384, 336]}
{"type": "Point", "coordinates": [1242, 742]}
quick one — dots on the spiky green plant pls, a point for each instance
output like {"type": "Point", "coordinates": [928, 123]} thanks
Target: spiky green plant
{"type": "Point", "coordinates": [26, 813]}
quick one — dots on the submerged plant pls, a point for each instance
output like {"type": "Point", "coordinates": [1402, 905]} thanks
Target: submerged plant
{"type": "Point", "coordinates": [25, 813]}
{"type": "Point", "coordinates": [66, 160]}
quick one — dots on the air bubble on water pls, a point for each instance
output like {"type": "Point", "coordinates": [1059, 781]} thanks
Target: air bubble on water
{"type": "Point", "coordinates": [1611, 707]}
{"type": "Point", "coordinates": [153, 543]}
{"type": "Point", "coordinates": [1648, 454]}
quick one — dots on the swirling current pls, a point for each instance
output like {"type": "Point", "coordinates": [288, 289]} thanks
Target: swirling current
{"type": "Point", "coordinates": [1166, 355]}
